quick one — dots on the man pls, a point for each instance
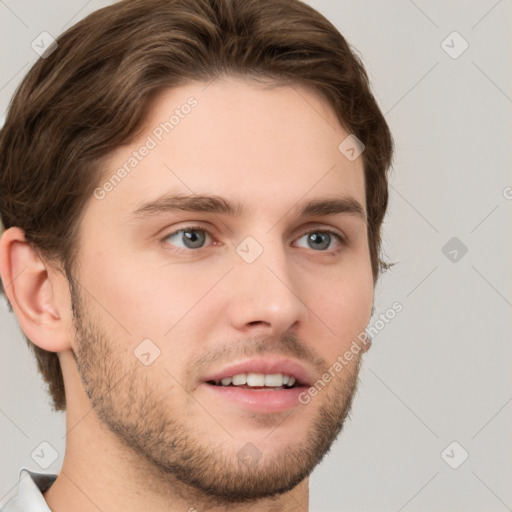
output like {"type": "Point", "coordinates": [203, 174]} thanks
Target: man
{"type": "Point", "coordinates": [192, 196]}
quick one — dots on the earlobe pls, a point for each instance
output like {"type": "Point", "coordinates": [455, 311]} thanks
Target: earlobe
{"type": "Point", "coordinates": [367, 338]}
{"type": "Point", "coordinates": [367, 343]}
{"type": "Point", "coordinates": [34, 293]}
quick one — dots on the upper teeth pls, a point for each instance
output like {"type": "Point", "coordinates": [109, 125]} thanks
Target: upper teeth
{"type": "Point", "coordinates": [259, 379]}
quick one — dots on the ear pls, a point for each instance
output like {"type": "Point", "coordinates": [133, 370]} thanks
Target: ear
{"type": "Point", "coordinates": [39, 295]}
{"type": "Point", "coordinates": [367, 343]}
{"type": "Point", "coordinates": [367, 338]}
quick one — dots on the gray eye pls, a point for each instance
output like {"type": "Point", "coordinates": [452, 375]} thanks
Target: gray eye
{"type": "Point", "coordinates": [319, 241]}
{"type": "Point", "coordinates": [190, 238]}
{"type": "Point", "coordinates": [193, 239]}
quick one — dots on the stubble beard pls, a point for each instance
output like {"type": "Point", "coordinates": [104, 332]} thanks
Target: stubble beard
{"type": "Point", "coordinates": [161, 439]}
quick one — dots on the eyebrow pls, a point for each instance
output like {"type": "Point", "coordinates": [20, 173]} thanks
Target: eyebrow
{"type": "Point", "coordinates": [219, 205]}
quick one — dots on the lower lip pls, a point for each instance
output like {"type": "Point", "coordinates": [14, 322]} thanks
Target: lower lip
{"type": "Point", "coordinates": [258, 400]}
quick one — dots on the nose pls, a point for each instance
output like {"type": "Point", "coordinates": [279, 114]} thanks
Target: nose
{"type": "Point", "coordinates": [265, 295]}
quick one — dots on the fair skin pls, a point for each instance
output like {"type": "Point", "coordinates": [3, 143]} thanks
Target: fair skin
{"type": "Point", "coordinates": [159, 437]}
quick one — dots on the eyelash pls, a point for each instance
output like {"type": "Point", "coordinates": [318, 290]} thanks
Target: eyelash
{"type": "Point", "coordinates": [341, 238]}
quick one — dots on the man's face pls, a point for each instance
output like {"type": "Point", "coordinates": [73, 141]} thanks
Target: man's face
{"type": "Point", "coordinates": [217, 294]}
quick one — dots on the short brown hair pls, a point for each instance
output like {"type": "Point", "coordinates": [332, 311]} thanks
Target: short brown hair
{"type": "Point", "coordinates": [93, 92]}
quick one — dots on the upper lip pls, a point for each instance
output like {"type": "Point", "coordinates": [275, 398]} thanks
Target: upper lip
{"type": "Point", "coordinates": [268, 365]}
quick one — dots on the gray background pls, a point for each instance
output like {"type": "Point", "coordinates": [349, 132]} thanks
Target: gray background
{"type": "Point", "coordinates": [441, 370]}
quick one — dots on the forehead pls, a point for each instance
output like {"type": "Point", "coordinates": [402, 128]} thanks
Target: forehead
{"type": "Point", "coordinates": [258, 145]}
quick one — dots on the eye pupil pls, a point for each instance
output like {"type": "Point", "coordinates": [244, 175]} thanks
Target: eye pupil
{"type": "Point", "coordinates": [193, 238]}
{"type": "Point", "coordinates": [320, 241]}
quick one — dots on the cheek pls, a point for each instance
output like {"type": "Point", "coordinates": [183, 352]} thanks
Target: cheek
{"type": "Point", "coordinates": [346, 307]}
{"type": "Point", "coordinates": [344, 304]}
{"type": "Point", "coordinates": [149, 299]}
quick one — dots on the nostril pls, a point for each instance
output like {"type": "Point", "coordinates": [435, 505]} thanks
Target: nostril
{"type": "Point", "coordinates": [257, 322]}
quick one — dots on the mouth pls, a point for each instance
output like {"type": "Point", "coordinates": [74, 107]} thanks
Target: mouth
{"type": "Point", "coordinates": [259, 385]}
{"type": "Point", "coordinates": [258, 381]}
